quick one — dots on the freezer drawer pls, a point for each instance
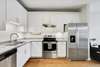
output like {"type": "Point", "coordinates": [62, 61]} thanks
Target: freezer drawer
{"type": "Point", "coordinates": [78, 54]}
{"type": "Point", "coordinates": [83, 53]}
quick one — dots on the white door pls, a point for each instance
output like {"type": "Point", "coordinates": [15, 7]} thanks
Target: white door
{"type": "Point", "coordinates": [27, 49]}
{"type": "Point", "coordinates": [61, 49]}
{"type": "Point", "coordinates": [23, 54]}
{"type": "Point", "coordinates": [12, 10]}
{"type": "Point", "coordinates": [36, 50]}
{"type": "Point", "coordinates": [20, 56]}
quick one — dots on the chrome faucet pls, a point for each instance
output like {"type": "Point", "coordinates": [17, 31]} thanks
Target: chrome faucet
{"type": "Point", "coordinates": [13, 34]}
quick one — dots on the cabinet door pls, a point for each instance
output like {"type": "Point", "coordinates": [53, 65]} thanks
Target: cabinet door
{"type": "Point", "coordinates": [23, 54]}
{"type": "Point", "coordinates": [12, 10]}
{"type": "Point", "coordinates": [61, 49]}
{"type": "Point", "coordinates": [22, 18]}
{"type": "Point", "coordinates": [36, 50]}
{"type": "Point", "coordinates": [20, 56]}
{"type": "Point", "coordinates": [27, 51]}
{"type": "Point", "coordinates": [2, 14]}
{"type": "Point", "coordinates": [22, 15]}
{"type": "Point", "coordinates": [16, 13]}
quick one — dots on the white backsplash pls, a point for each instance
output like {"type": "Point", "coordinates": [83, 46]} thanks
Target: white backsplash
{"type": "Point", "coordinates": [4, 36]}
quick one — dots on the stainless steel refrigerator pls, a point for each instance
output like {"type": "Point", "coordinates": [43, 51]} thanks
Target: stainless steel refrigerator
{"type": "Point", "coordinates": [77, 46]}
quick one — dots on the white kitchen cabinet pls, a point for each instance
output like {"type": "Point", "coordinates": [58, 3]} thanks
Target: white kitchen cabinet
{"type": "Point", "coordinates": [23, 54]}
{"type": "Point", "coordinates": [16, 13]}
{"type": "Point", "coordinates": [22, 19]}
{"type": "Point", "coordinates": [61, 49]}
{"type": "Point", "coordinates": [27, 48]}
{"type": "Point", "coordinates": [36, 19]}
{"type": "Point", "coordinates": [36, 49]}
{"type": "Point", "coordinates": [12, 10]}
{"type": "Point", "coordinates": [2, 14]}
{"type": "Point", "coordinates": [20, 56]}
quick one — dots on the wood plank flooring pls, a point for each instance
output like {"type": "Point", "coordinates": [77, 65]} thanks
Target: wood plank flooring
{"type": "Point", "coordinates": [60, 63]}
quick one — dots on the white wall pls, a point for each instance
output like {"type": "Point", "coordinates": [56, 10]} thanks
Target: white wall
{"type": "Point", "coordinates": [36, 19]}
{"type": "Point", "coordinates": [94, 19]}
{"type": "Point", "coordinates": [83, 14]}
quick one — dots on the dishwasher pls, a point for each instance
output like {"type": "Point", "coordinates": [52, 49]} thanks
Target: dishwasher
{"type": "Point", "coordinates": [8, 59]}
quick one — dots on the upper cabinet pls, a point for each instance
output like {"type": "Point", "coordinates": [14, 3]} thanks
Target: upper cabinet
{"type": "Point", "coordinates": [2, 14]}
{"type": "Point", "coordinates": [12, 13]}
{"type": "Point", "coordinates": [36, 19]}
{"type": "Point", "coordinates": [16, 13]}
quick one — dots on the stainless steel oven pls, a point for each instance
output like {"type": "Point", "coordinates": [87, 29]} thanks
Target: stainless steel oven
{"type": "Point", "coordinates": [49, 46]}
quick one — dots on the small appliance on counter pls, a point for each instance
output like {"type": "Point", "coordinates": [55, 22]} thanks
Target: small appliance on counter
{"type": "Point", "coordinates": [93, 42]}
{"type": "Point", "coordinates": [49, 45]}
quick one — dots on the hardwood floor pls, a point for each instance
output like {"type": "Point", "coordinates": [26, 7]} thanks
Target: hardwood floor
{"type": "Point", "coordinates": [60, 63]}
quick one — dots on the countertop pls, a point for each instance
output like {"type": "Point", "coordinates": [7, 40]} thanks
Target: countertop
{"type": "Point", "coordinates": [31, 39]}
{"type": "Point", "coordinates": [6, 46]}
{"type": "Point", "coordinates": [40, 39]}
{"type": "Point", "coordinates": [4, 49]}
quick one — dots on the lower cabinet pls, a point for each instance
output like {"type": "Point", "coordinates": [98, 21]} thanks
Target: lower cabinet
{"type": "Point", "coordinates": [23, 54]}
{"type": "Point", "coordinates": [36, 49]}
{"type": "Point", "coordinates": [61, 49]}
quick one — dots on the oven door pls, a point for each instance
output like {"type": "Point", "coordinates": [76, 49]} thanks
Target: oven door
{"type": "Point", "coordinates": [49, 46]}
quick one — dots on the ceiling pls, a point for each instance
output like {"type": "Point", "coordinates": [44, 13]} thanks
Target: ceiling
{"type": "Point", "coordinates": [52, 4]}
